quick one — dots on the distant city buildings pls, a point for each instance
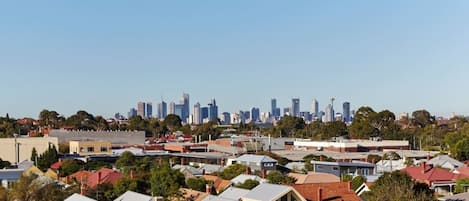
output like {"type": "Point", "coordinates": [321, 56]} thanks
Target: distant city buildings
{"type": "Point", "coordinates": [212, 110]}
{"type": "Point", "coordinates": [132, 113]}
{"type": "Point", "coordinates": [162, 110]}
{"type": "Point", "coordinates": [346, 112]}
{"type": "Point", "coordinates": [315, 108]}
{"type": "Point", "coordinates": [141, 109]}
{"type": "Point", "coordinates": [197, 114]}
{"type": "Point", "coordinates": [295, 107]}
{"type": "Point", "coordinates": [149, 110]}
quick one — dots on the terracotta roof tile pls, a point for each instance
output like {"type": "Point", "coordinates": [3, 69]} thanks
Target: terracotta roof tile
{"type": "Point", "coordinates": [107, 176]}
{"type": "Point", "coordinates": [429, 174]}
{"type": "Point", "coordinates": [335, 191]}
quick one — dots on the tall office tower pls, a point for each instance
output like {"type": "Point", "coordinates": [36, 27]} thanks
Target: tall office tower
{"type": "Point", "coordinates": [132, 113]}
{"type": "Point", "coordinates": [212, 110]}
{"type": "Point", "coordinates": [149, 110]}
{"type": "Point", "coordinates": [203, 113]}
{"type": "Point", "coordinates": [226, 120]}
{"type": "Point", "coordinates": [346, 112]}
{"type": "Point", "coordinates": [286, 111]}
{"type": "Point", "coordinates": [172, 108]}
{"type": "Point", "coordinates": [186, 108]}
{"type": "Point", "coordinates": [141, 109]}
{"type": "Point", "coordinates": [197, 114]}
{"type": "Point", "coordinates": [306, 116]}
{"type": "Point", "coordinates": [162, 110]}
{"type": "Point", "coordinates": [274, 110]}
{"type": "Point", "coordinates": [242, 117]}
{"type": "Point", "coordinates": [315, 108]}
{"type": "Point", "coordinates": [295, 107]}
{"type": "Point", "coordinates": [178, 110]}
{"type": "Point", "coordinates": [255, 114]}
{"type": "Point", "coordinates": [329, 114]}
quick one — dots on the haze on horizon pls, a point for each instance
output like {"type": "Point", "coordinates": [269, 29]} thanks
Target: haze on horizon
{"type": "Point", "coordinates": [104, 57]}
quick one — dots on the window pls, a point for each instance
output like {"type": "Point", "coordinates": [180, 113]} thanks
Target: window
{"type": "Point", "coordinates": [103, 149]}
{"type": "Point", "coordinates": [90, 149]}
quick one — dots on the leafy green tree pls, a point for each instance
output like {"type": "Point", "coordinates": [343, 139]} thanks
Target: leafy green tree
{"type": "Point", "coordinates": [398, 186]}
{"type": "Point", "coordinates": [102, 192]}
{"type": "Point", "coordinates": [232, 171]}
{"type": "Point", "coordinates": [172, 121]}
{"type": "Point", "coordinates": [34, 155]}
{"type": "Point", "coordinates": [47, 158]}
{"type": "Point", "coordinates": [421, 118]}
{"type": "Point", "coordinates": [289, 125]}
{"type": "Point", "coordinates": [361, 127]}
{"type": "Point", "coordinates": [197, 184]}
{"type": "Point", "coordinates": [357, 181]}
{"type": "Point", "coordinates": [462, 150]}
{"type": "Point", "coordinates": [461, 185]}
{"type": "Point", "coordinates": [126, 159]}
{"type": "Point", "coordinates": [276, 177]}
{"type": "Point", "coordinates": [334, 129]}
{"type": "Point", "coordinates": [248, 184]}
{"type": "Point", "coordinates": [373, 158]}
{"type": "Point", "coordinates": [137, 185]}
{"type": "Point", "coordinates": [96, 165]}
{"type": "Point", "coordinates": [391, 156]}
{"type": "Point", "coordinates": [70, 166]}
{"type": "Point", "coordinates": [166, 181]}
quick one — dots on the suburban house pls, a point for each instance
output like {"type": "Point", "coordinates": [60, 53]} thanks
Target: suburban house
{"type": "Point", "coordinates": [341, 168]}
{"type": "Point", "coordinates": [335, 191]}
{"type": "Point", "coordinates": [314, 178]}
{"type": "Point", "coordinates": [441, 180]}
{"type": "Point", "coordinates": [444, 161]}
{"type": "Point", "coordinates": [103, 175]}
{"type": "Point", "coordinates": [134, 196]}
{"type": "Point", "coordinates": [390, 165]}
{"type": "Point", "coordinates": [255, 162]}
{"type": "Point", "coordinates": [243, 177]}
{"type": "Point", "coordinates": [262, 192]}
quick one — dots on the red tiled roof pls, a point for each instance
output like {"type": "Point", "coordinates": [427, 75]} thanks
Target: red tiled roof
{"type": "Point", "coordinates": [429, 174]}
{"type": "Point", "coordinates": [81, 176]}
{"type": "Point", "coordinates": [335, 191]}
{"type": "Point", "coordinates": [464, 171]}
{"type": "Point", "coordinates": [107, 176]}
{"type": "Point", "coordinates": [56, 165]}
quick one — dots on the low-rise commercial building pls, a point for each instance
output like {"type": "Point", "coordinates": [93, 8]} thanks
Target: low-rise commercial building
{"type": "Point", "coordinates": [346, 145]}
{"type": "Point", "coordinates": [90, 147]}
{"type": "Point", "coordinates": [19, 149]}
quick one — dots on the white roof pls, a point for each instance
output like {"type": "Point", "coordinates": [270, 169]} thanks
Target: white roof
{"type": "Point", "coordinates": [390, 165]}
{"type": "Point", "coordinates": [78, 197]}
{"type": "Point", "coordinates": [243, 177]}
{"type": "Point", "coordinates": [133, 196]}
{"type": "Point", "coordinates": [266, 191]}
{"type": "Point", "coordinates": [216, 198]}
{"type": "Point", "coordinates": [445, 161]}
{"type": "Point", "coordinates": [255, 158]}
{"type": "Point", "coordinates": [233, 193]}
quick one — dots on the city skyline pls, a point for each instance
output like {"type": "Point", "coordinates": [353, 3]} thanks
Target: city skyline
{"type": "Point", "coordinates": [103, 57]}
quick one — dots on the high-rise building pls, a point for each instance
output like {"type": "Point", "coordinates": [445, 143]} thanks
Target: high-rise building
{"type": "Point", "coordinates": [287, 111]}
{"type": "Point", "coordinates": [132, 113]}
{"type": "Point", "coordinates": [197, 115]}
{"type": "Point", "coordinates": [172, 108]}
{"type": "Point", "coordinates": [274, 110]}
{"type": "Point", "coordinates": [178, 110]}
{"type": "Point", "coordinates": [255, 114]}
{"type": "Point", "coordinates": [315, 108]}
{"type": "Point", "coordinates": [186, 108]}
{"type": "Point", "coordinates": [212, 110]}
{"type": "Point", "coordinates": [141, 109]}
{"type": "Point", "coordinates": [346, 112]}
{"type": "Point", "coordinates": [226, 120]}
{"type": "Point", "coordinates": [204, 113]}
{"type": "Point", "coordinates": [329, 117]}
{"type": "Point", "coordinates": [295, 107]}
{"type": "Point", "coordinates": [149, 110]}
{"type": "Point", "coordinates": [162, 110]}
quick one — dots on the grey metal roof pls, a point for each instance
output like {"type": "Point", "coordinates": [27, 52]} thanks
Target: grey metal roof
{"type": "Point", "coordinates": [345, 164]}
{"type": "Point", "coordinates": [441, 160]}
{"type": "Point", "coordinates": [216, 198]}
{"type": "Point", "coordinates": [256, 158]}
{"type": "Point", "coordinates": [78, 197]}
{"type": "Point", "coordinates": [233, 193]}
{"type": "Point", "coordinates": [209, 168]}
{"type": "Point", "coordinates": [10, 174]}
{"type": "Point", "coordinates": [134, 196]}
{"type": "Point", "coordinates": [243, 177]}
{"type": "Point", "coordinates": [25, 164]}
{"type": "Point", "coordinates": [267, 191]}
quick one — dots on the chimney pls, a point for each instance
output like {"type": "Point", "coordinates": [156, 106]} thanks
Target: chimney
{"type": "Point", "coordinates": [222, 162]}
{"type": "Point", "coordinates": [99, 177]}
{"type": "Point", "coordinates": [248, 170]}
{"type": "Point", "coordinates": [208, 188]}
{"type": "Point", "coordinates": [58, 176]}
{"type": "Point", "coordinates": [264, 174]}
{"type": "Point", "coordinates": [132, 174]}
{"type": "Point", "coordinates": [182, 161]}
{"type": "Point", "coordinates": [319, 194]}
{"type": "Point", "coordinates": [428, 156]}
{"type": "Point", "coordinates": [67, 179]}
{"type": "Point", "coordinates": [349, 185]}
{"type": "Point", "coordinates": [321, 158]}
{"type": "Point", "coordinates": [82, 189]}
{"type": "Point", "coordinates": [203, 171]}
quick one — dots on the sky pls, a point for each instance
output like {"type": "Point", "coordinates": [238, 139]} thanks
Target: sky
{"type": "Point", "coordinates": [105, 56]}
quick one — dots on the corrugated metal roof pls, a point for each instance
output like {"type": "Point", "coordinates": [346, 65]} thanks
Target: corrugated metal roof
{"type": "Point", "coordinates": [133, 196]}
{"type": "Point", "coordinates": [243, 177]}
{"type": "Point", "coordinates": [268, 191]}
{"type": "Point", "coordinates": [78, 197]}
{"type": "Point", "coordinates": [233, 193]}
{"type": "Point", "coordinates": [255, 158]}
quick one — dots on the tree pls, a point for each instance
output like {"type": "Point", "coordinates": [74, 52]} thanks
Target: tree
{"type": "Point", "coordinates": [276, 177]}
{"type": "Point", "coordinates": [398, 186]}
{"type": "Point", "coordinates": [47, 158]}
{"type": "Point", "coordinates": [461, 185]}
{"type": "Point", "coordinates": [34, 155]}
{"type": "Point", "coordinates": [334, 129]}
{"type": "Point", "coordinates": [166, 181]}
{"type": "Point", "coordinates": [289, 125]}
{"type": "Point", "coordinates": [102, 192]}
{"type": "Point", "coordinates": [357, 181]}
{"type": "Point", "coordinates": [248, 184]}
{"type": "Point", "coordinates": [137, 185]}
{"type": "Point", "coordinates": [197, 184]}
{"type": "Point", "coordinates": [421, 118]}
{"type": "Point", "coordinates": [126, 159]}
{"type": "Point", "coordinates": [172, 121]}
{"type": "Point", "coordinates": [232, 171]}
{"type": "Point", "coordinates": [361, 127]}
{"type": "Point", "coordinates": [96, 165]}
{"type": "Point", "coordinates": [70, 166]}
{"type": "Point", "coordinates": [462, 150]}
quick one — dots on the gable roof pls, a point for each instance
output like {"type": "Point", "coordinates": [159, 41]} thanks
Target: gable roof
{"type": "Point", "coordinates": [218, 183]}
{"type": "Point", "coordinates": [256, 158]}
{"type": "Point", "coordinates": [329, 191]}
{"type": "Point", "coordinates": [233, 193]}
{"type": "Point", "coordinates": [133, 196]}
{"type": "Point", "coordinates": [429, 174]}
{"type": "Point", "coordinates": [11, 174]}
{"type": "Point", "coordinates": [78, 197]}
{"type": "Point", "coordinates": [107, 176]}
{"type": "Point", "coordinates": [314, 177]}
{"type": "Point", "coordinates": [210, 168]}
{"type": "Point", "coordinates": [243, 177]}
{"type": "Point", "coordinates": [81, 176]}
{"type": "Point", "coordinates": [462, 170]}
{"type": "Point", "coordinates": [266, 191]}
{"type": "Point", "coordinates": [445, 161]}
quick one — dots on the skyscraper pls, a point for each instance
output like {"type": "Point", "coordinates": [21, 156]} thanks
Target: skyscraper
{"type": "Point", "coordinates": [295, 107]}
{"type": "Point", "coordinates": [172, 107]}
{"type": "Point", "coordinates": [197, 114]}
{"type": "Point", "coordinates": [162, 110]}
{"type": "Point", "coordinates": [203, 113]}
{"type": "Point", "coordinates": [274, 110]}
{"type": "Point", "coordinates": [186, 108]}
{"type": "Point", "coordinates": [178, 110]}
{"type": "Point", "coordinates": [315, 108]}
{"type": "Point", "coordinates": [149, 110]}
{"type": "Point", "coordinates": [255, 114]}
{"type": "Point", "coordinates": [226, 120]}
{"type": "Point", "coordinates": [346, 112]}
{"type": "Point", "coordinates": [141, 109]}
{"type": "Point", "coordinates": [212, 110]}
{"type": "Point", "coordinates": [132, 113]}
{"type": "Point", "coordinates": [329, 113]}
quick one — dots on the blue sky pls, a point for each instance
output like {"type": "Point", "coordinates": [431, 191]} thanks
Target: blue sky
{"type": "Point", "coordinates": [105, 56]}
